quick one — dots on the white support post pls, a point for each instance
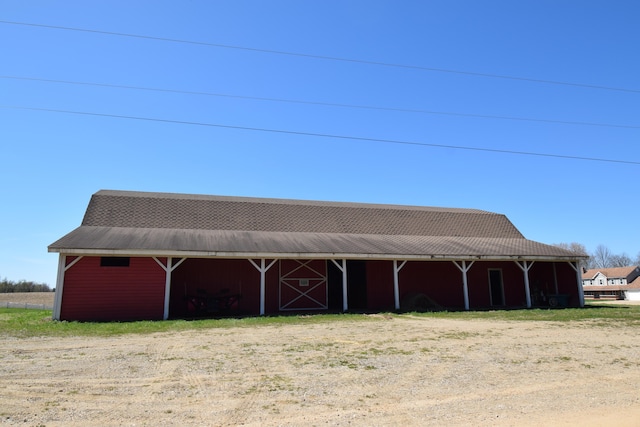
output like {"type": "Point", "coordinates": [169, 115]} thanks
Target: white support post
{"type": "Point", "coordinates": [168, 269]}
{"type": "Point", "coordinates": [576, 267]}
{"type": "Point", "coordinates": [167, 288]}
{"type": "Point", "coordinates": [464, 268]}
{"type": "Point", "coordinates": [343, 268]}
{"type": "Point", "coordinates": [396, 286]}
{"type": "Point", "coordinates": [57, 298]}
{"type": "Point", "coordinates": [263, 285]}
{"type": "Point", "coordinates": [525, 267]}
{"type": "Point", "coordinates": [262, 268]}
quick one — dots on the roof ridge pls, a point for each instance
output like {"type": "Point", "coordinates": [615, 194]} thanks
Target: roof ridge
{"type": "Point", "coordinates": [283, 201]}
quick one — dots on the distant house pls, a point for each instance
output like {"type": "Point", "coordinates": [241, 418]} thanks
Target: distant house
{"type": "Point", "coordinates": [157, 256]}
{"type": "Point", "coordinates": [616, 283]}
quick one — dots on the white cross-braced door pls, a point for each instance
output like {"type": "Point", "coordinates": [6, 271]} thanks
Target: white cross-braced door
{"type": "Point", "coordinates": [303, 285]}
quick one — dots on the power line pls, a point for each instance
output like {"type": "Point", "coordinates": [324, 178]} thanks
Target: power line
{"type": "Point", "coordinates": [323, 57]}
{"type": "Point", "coordinates": [325, 104]}
{"type": "Point", "coordinates": [324, 135]}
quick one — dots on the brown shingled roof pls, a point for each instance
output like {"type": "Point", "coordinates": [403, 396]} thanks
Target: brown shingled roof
{"type": "Point", "coordinates": [611, 273]}
{"type": "Point", "coordinates": [635, 284]}
{"type": "Point", "coordinates": [161, 223]}
{"type": "Point", "coordinates": [155, 210]}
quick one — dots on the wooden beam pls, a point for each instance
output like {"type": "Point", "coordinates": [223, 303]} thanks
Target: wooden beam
{"type": "Point", "coordinates": [62, 270]}
{"type": "Point", "coordinates": [168, 269]}
{"type": "Point", "coordinates": [343, 268]}
{"type": "Point", "coordinates": [396, 285]}
{"type": "Point", "coordinates": [57, 299]}
{"type": "Point", "coordinates": [464, 268]}
{"type": "Point", "coordinates": [577, 269]}
{"type": "Point", "coordinates": [525, 267]}
{"type": "Point", "coordinates": [262, 268]}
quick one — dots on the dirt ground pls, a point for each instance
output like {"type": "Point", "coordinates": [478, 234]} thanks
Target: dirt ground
{"type": "Point", "coordinates": [381, 372]}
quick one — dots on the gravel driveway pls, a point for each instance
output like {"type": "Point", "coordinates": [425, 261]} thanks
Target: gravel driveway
{"type": "Point", "coordinates": [384, 371]}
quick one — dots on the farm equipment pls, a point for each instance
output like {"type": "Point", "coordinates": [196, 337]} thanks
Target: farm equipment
{"type": "Point", "coordinates": [204, 303]}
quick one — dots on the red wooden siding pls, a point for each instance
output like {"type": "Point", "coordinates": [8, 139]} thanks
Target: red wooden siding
{"type": "Point", "coordinates": [380, 285]}
{"type": "Point", "coordinates": [478, 285]}
{"type": "Point", "coordinates": [99, 293]}
{"type": "Point", "coordinates": [271, 302]}
{"type": "Point", "coordinates": [441, 281]}
{"type": "Point", "coordinates": [513, 283]}
{"type": "Point", "coordinates": [541, 283]}
{"type": "Point", "coordinates": [92, 292]}
{"type": "Point", "coordinates": [568, 283]}
{"type": "Point", "coordinates": [199, 276]}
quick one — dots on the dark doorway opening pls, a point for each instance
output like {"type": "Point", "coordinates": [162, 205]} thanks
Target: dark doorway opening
{"type": "Point", "coordinates": [496, 288]}
{"type": "Point", "coordinates": [357, 285]}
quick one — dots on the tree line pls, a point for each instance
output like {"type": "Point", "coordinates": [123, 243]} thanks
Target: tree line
{"type": "Point", "coordinates": [602, 257]}
{"type": "Point", "coordinates": [8, 286]}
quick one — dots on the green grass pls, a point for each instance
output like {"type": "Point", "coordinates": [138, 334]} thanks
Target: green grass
{"type": "Point", "coordinates": [17, 322]}
{"type": "Point", "coordinates": [602, 314]}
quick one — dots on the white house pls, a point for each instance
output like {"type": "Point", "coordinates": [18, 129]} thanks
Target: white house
{"type": "Point", "coordinates": [618, 283]}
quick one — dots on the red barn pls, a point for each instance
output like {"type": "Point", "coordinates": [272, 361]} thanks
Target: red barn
{"type": "Point", "coordinates": [157, 256]}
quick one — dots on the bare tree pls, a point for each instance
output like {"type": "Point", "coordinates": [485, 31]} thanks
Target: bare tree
{"type": "Point", "coordinates": [622, 260]}
{"type": "Point", "coordinates": [602, 257]}
{"type": "Point", "coordinates": [578, 249]}
{"type": "Point", "coordinates": [575, 247]}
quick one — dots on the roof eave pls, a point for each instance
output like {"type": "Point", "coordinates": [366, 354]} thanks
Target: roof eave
{"type": "Point", "coordinates": [306, 255]}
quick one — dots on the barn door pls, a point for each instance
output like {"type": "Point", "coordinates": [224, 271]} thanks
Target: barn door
{"type": "Point", "coordinates": [303, 285]}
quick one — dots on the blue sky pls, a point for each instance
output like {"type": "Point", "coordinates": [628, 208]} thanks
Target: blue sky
{"type": "Point", "coordinates": [428, 73]}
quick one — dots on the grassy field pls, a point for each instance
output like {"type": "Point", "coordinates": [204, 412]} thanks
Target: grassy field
{"type": "Point", "coordinates": [29, 323]}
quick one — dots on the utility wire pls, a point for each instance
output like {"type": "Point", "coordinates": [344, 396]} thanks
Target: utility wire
{"type": "Point", "coordinates": [323, 57]}
{"type": "Point", "coordinates": [325, 104]}
{"type": "Point", "coordinates": [324, 135]}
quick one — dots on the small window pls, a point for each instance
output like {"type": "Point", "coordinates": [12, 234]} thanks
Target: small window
{"type": "Point", "coordinates": [114, 261]}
